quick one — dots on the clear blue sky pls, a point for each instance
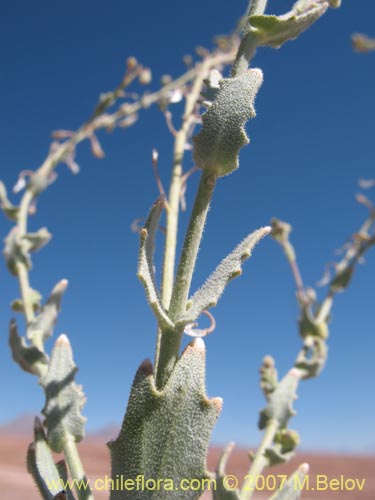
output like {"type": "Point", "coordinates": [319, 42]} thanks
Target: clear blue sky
{"type": "Point", "coordinates": [312, 140]}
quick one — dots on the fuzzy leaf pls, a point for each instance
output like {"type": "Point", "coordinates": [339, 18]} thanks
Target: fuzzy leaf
{"type": "Point", "coordinates": [146, 272]}
{"type": "Point", "coordinates": [293, 486]}
{"type": "Point", "coordinates": [38, 239]}
{"type": "Point", "coordinates": [46, 474]}
{"type": "Point", "coordinates": [64, 398]}
{"type": "Point", "coordinates": [42, 326]}
{"type": "Point", "coordinates": [273, 31]}
{"type": "Point", "coordinates": [165, 433]}
{"type": "Point", "coordinates": [280, 401]}
{"type": "Point", "coordinates": [16, 250]}
{"type": "Point", "coordinates": [10, 210]}
{"type": "Point", "coordinates": [30, 358]}
{"type": "Point", "coordinates": [209, 294]}
{"type": "Point", "coordinates": [217, 145]}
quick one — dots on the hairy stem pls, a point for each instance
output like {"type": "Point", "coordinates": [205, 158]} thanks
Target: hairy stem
{"type": "Point", "coordinates": [76, 470]}
{"type": "Point", "coordinates": [22, 272]}
{"type": "Point", "coordinates": [177, 180]}
{"type": "Point", "coordinates": [171, 339]}
{"type": "Point", "coordinates": [248, 45]}
{"type": "Point", "coordinates": [260, 461]}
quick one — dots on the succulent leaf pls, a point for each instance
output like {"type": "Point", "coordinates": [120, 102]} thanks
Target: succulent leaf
{"type": "Point", "coordinates": [230, 267]}
{"type": "Point", "coordinates": [16, 250]}
{"type": "Point", "coordinates": [64, 398]}
{"type": "Point", "coordinates": [165, 433]}
{"type": "Point", "coordinates": [29, 358]}
{"type": "Point", "coordinates": [294, 485]}
{"type": "Point", "coordinates": [38, 239]}
{"type": "Point", "coordinates": [47, 475]}
{"type": "Point", "coordinates": [146, 272]}
{"type": "Point", "coordinates": [280, 401]}
{"type": "Point", "coordinates": [10, 210]}
{"type": "Point", "coordinates": [273, 31]}
{"type": "Point", "coordinates": [217, 145]}
{"type": "Point", "coordinates": [42, 326]}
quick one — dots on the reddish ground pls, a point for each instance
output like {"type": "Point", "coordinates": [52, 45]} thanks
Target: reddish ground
{"type": "Point", "coordinates": [15, 483]}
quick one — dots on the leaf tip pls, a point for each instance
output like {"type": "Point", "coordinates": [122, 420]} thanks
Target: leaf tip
{"type": "Point", "coordinates": [62, 341]}
{"type": "Point", "coordinates": [146, 367]}
{"type": "Point", "coordinates": [218, 404]}
{"type": "Point", "coordinates": [198, 345]}
{"type": "Point", "coordinates": [304, 468]}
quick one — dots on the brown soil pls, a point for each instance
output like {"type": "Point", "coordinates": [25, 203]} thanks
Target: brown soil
{"type": "Point", "coordinates": [15, 482]}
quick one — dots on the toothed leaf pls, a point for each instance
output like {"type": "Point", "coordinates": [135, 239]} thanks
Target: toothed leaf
{"type": "Point", "coordinates": [16, 250]}
{"type": "Point", "coordinates": [293, 486]}
{"type": "Point", "coordinates": [273, 31]}
{"type": "Point", "coordinates": [165, 433]}
{"type": "Point", "coordinates": [30, 358]}
{"type": "Point", "coordinates": [217, 145]}
{"type": "Point", "coordinates": [64, 398]}
{"type": "Point", "coordinates": [208, 295]}
{"type": "Point", "coordinates": [10, 210]}
{"type": "Point", "coordinates": [47, 475]}
{"type": "Point", "coordinates": [42, 326]}
{"type": "Point", "coordinates": [38, 239]}
{"type": "Point", "coordinates": [280, 401]}
{"type": "Point", "coordinates": [146, 272]}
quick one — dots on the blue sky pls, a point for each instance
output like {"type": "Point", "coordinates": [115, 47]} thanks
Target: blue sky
{"type": "Point", "coordinates": [311, 141]}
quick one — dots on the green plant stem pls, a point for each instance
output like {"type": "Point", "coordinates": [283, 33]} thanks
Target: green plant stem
{"type": "Point", "coordinates": [171, 339]}
{"type": "Point", "coordinates": [248, 45]}
{"type": "Point", "coordinates": [76, 470]}
{"type": "Point", "coordinates": [260, 461]}
{"type": "Point", "coordinates": [257, 7]}
{"type": "Point", "coordinates": [22, 272]}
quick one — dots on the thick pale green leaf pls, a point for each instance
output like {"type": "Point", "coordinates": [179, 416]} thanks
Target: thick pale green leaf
{"type": "Point", "coordinates": [294, 486]}
{"type": "Point", "coordinates": [280, 401]}
{"type": "Point", "coordinates": [10, 210]}
{"type": "Point", "coordinates": [146, 272]}
{"type": "Point", "coordinates": [64, 398]}
{"type": "Point", "coordinates": [273, 31]}
{"type": "Point", "coordinates": [208, 295]}
{"type": "Point", "coordinates": [217, 145]}
{"type": "Point", "coordinates": [16, 250]}
{"type": "Point", "coordinates": [165, 434]}
{"type": "Point", "coordinates": [38, 239]}
{"type": "Point", "coordinates": [42, 326]}
{"type": "Point", "coordinates": [47, 475]}
{"type": "Point", "coordinates": [30, 358]}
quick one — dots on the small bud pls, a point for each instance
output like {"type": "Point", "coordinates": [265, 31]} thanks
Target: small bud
{"type": "Point", "coordinates": [145, 77]}
{"type": "Point", "coordinates": [131, 63]}
{"type": "Point", "coordinates": [188, 60]}
{"type": "Point", "coordinates": [288, 439]}
{"type": "Point", "coordinates": [165, 79]}
{"type": "Point", "coordinates": [280, 230]}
